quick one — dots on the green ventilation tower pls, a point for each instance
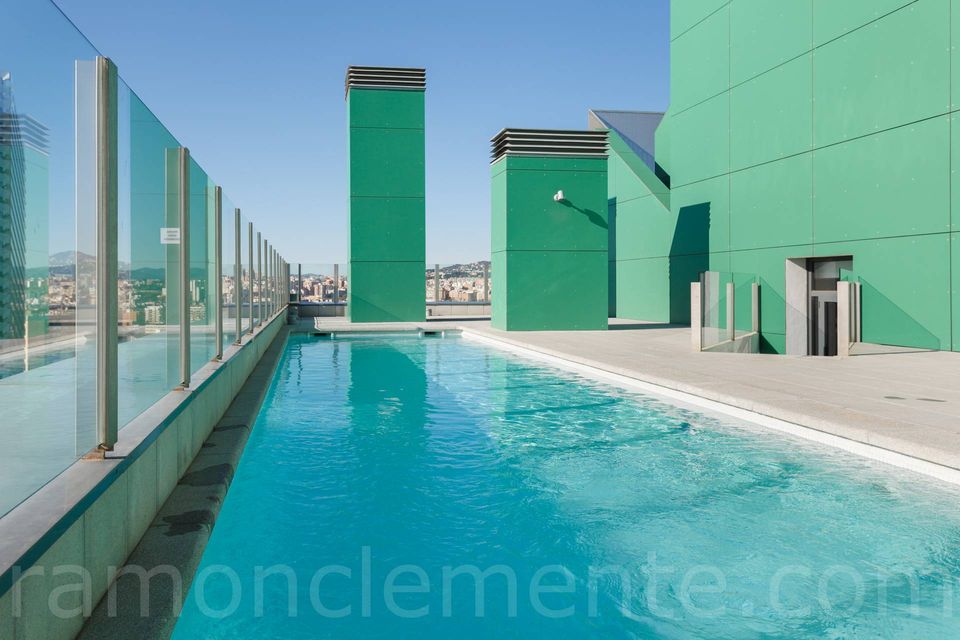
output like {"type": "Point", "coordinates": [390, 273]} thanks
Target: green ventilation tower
{"type": "Point", "coordinates": [550, 230]}
{"type": "Point", "coordinates": [387, 184]}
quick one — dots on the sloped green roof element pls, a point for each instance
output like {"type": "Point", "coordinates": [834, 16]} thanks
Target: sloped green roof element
{"type": "Point", "coordinates": [620, 147]}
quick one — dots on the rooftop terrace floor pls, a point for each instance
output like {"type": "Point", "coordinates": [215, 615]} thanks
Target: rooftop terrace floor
{"type": "Point", "coordinates": [902, 400]}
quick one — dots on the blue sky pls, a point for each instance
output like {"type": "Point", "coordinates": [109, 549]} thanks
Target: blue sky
{"type": "Point", "coordinates": [255, 89]}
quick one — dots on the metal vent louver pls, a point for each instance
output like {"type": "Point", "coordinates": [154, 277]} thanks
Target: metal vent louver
{"type": "Point", "coordinates": [386, 78]}
{"type": "Point", "coordinates": [549, 142]}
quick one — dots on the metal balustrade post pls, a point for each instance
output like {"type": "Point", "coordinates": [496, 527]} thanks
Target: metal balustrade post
{"type": "Point", "coordinates": [218, 266]}
{"type": "Point", "coordinates": [486, 283]}
{"type": "Point", "coordinates": [265, 296]}
{"type": "Point", "coordinates": [731, 310]}
{"type": "Point", "coordinates": [250, 274]}
{"type": "Point", "coordinates": [263, 283]}
{"type": "Point", "coordinates": [858, 309]}
{"type": "Point", "coordinates": [107, 254]}
{"type": "Point", "coordinates": [259, 280]}
{"type": "Point", "coordinates": [696, 316]}
{"type": "Point", "coordinates": [238, 276]}
{"type": "Point", "coordinates": [436, 283]}
{"type": "Point", "coordinates": [336, 285]}
{"type": "Point", "coordinates": [184, 210]}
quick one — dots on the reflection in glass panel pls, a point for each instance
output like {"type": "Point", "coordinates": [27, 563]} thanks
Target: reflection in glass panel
{"type": "Point", "coordinates": [246, 276]}
{"type": "Point", "coordinates": [149, 261]}
{"type": "Point", "coordinates": [228, 276]}
{"type": "Point", "coordinates": [201, 295]}
{"type": "Point", "coordinates": [45, 119]}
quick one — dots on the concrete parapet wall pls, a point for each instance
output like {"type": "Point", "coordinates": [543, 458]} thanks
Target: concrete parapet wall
{"type": "Point", "coordinates": [57, 548]}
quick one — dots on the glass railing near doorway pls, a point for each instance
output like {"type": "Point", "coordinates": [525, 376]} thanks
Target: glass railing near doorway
{"type": "Point", "coordinates": [727, 307]}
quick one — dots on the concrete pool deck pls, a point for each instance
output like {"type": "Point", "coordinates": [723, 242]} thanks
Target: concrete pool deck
{"type": "Point", "coordinates": [899, 400]}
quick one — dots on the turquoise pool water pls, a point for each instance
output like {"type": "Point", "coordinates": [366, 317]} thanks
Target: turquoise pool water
{"type": "Point", "coordinates": [387, 477]}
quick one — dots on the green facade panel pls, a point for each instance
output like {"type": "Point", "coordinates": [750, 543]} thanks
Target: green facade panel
{"type": "Point", "coordinates": [534, 291]}
{"type": "Point", "coordinates": [834, 139]}
{"type": "Point", "coordinates": [955, 286]}
{"type": "Point", "coordinates": [643, 289]}
{"type": "Point", "coordinates": [894, 71]}
{"type": "Point", "coordinates": [771, 116]}
{"type": "Point", "coordinates": [701, 57]}
{"type": "Point", "coordinates": [387, 162]}
{"type": "Point", "coordinates": [890, 184]}
{"type": "Point", "coordinates": [700, 142]}
{"type": "Point", "coordinates": [772, 204]}
{"type": "Point", "coordinates": [702, 217]}
{"type": "Point", "coordinates": [386, 109]}
{"type": "Point", "coordinates": [540, 246]}
{"type": "Point", "coordinates": [650, 265]}
{"type": "Point", "coordinates": [386, 291]}
{"type": "Point", "coordinates": [644, 229]}
{"type": "Point", "coordinates": [764, 34]}
{"type": "Point", "coordinates": [955, 54]}
{"type": "Point", "coordinates": [535, 222]}
{"type": "Point", "coordinates": [387, 228]}
{"type": "Point", "coordinates": [832, 19]}
{"type": "Point", "coordinates": [955, 172]}
{"type": "Point", "coordinates": [499, 308]}
{"type": "Point", "coordinates": [387, 205]}
{"type": "Point", "coordinates": [684, 15]}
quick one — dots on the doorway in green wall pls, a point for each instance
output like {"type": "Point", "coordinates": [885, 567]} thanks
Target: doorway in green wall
{"type": "Point", "coordinates": [811, 299]}
{"type": "Point", "coordinates": [823, 275]}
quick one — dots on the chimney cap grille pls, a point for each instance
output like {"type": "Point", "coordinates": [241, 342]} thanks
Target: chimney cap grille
{"type": "Point", "coordinates": [549, 142]}
{"type": "Point", "coordinates": [403, 78]}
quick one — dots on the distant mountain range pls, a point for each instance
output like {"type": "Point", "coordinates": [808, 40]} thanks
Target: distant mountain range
{"type": "Point", "coordinates": [71, 259]}
{"type": "Point", "coordinates": [65, 263]}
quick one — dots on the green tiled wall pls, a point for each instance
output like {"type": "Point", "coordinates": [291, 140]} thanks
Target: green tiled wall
{"type": "Point", "coordinates": [387, 206]}
{"type": "Point", "coordinates": [836, 137]}
{"type": "Point", "coordinates": [542, 250]}
{"type": "Point", "coordinates": [655, 252]}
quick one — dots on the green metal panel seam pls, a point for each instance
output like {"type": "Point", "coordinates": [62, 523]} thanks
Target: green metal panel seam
{"type": "Point", "coordinates": [794, 58]}
{"type": "Point", "coordinates": [951, 292]}
{"type": "Point", "coordinates": [698, 22]}
{"type": "Point", "coordinates": [820, 148]}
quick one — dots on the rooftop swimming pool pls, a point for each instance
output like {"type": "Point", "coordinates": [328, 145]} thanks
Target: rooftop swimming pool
{"type": "Point", "coordinates": [406, 487]}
